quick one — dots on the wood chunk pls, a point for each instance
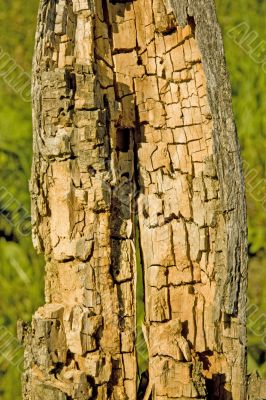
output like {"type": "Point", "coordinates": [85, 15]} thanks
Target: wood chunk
{"type": "Point", "coordinates": [124, 35]}
{"type": "Point", "coordinates": [180, 244]}
{"type": "Point", "coordinates": [178, 58]}
{"type": "Point", "coordinates": [156, 276]}
{"type": "Point", "coordinates": [158, 301]}
{"type": "Point", "coordinates": [157, 242]}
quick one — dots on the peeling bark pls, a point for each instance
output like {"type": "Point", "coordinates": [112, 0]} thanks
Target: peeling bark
{"type": "Point", "coordinates": [133, 125]}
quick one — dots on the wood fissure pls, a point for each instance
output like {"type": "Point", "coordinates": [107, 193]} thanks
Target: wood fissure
{"type": "Point", "coordinates": [132, 120]}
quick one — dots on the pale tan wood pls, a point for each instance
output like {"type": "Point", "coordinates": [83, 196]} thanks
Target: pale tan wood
{"type": "Point", "coordinates": [133, 125]}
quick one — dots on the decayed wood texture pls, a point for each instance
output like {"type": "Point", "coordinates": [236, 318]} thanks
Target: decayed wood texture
{"type": "Point", "coordinates": [133, 125]}
{"type": "Point", "coordinates": [256, 387]}
{"type": "Point", "coordinates": [192, 220]}
{"type": "Point", "coordinates": [83, 337]}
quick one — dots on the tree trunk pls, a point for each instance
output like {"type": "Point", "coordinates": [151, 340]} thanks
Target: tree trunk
{"type": "Point", "coordinates": [133, 130]}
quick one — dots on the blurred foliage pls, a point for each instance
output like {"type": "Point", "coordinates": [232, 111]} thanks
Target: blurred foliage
{"type": "Point", "coordinates": [257, 314]}
{"type": "Point", "coordinates": [142, 351]}
{"type": "Point", "coordinates": [21, 283]}
{"type": "Point", "coordinates": [248, 86]}
{"type": "Point", "coordinates": [248, 78]}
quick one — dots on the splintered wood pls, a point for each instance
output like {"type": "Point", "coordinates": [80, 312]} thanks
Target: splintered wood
{"type": "Point", "coordinates": [124, 135]}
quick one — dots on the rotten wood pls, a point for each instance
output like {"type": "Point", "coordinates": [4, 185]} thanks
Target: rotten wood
{"type": "Point", "coordinates": [133, 125]}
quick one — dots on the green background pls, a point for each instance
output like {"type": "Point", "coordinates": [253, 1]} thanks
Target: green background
{"type": "Point", "coordinates": [21, 270]}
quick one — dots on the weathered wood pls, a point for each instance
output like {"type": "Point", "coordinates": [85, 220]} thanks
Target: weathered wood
{"type": "Point", "coordinates": [82, 341]}
{"type": "Point", "coordinates": [133, 125]}
{"type": "Point", "coordinates": [193, 229]}
{"type": "Point", "coordinates": [256, 387]}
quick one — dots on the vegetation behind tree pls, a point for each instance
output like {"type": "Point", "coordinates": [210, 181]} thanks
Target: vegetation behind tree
{"type": "Point", "coordinates": [21, 283]}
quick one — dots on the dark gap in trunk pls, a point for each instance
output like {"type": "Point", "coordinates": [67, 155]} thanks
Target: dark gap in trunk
{"type": "Point", "coordinates": [141, 345]}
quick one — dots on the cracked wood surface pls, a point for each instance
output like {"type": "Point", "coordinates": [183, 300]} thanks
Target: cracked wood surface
{"type": "Point", "coordinates": [133, 125]}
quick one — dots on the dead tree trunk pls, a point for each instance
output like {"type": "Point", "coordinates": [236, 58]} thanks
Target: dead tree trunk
{"type": "Point", "coordinates": [133, 125]}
